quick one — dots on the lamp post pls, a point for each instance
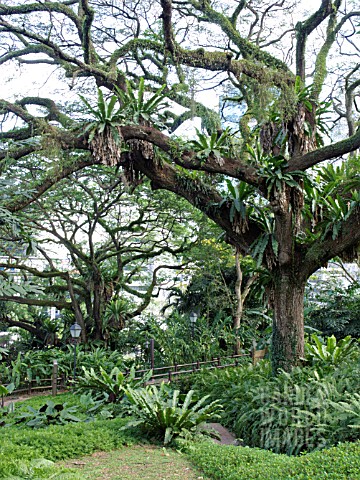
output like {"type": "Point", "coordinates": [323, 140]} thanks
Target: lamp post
{"type": "Point", "coordinates": [193, 318]}
{"type": "Point", "coordinates": [75, 331]}
{"type": "Point", "coordinates": [137, 352]}
{"type": "Point", "coordinates": [147, 351]}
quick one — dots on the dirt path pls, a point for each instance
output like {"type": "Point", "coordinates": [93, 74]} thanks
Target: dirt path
{"type": "Point", "coordinates": [226, 437]}
{"type": "Point", "coordinates": [23, 397]}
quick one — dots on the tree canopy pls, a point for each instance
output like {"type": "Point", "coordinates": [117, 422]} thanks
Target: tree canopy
{"type": "Point", "coordinates": [101, 251]}
{"type": "Point", "coordinates": [268, 185]}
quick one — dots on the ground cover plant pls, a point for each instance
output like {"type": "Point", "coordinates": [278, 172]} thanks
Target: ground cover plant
{"type": "Point", "coordinates": [38, 469]}
{"type": "Point", "coordinates": [234, 463]}
{"type": "Point", "coordinates": [21, 447]}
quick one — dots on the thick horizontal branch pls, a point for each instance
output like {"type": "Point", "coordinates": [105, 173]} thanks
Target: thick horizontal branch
{"type": "Point", "coordinates": [187, 159]}
{"type": "Point", "coordinates": [21, 324]}
{"type": "Point", "coordinates": [213, 61]}
{"type": "Point", "coordinates": [54, 113]}
{"type": "Point", "coordinates": [326, 153]}
{"type": "Point", "coordinates": [203, 197]}
{"type": "Point", "coordinates": [55, 7]}
{"type": "Point", "coordinates": [37, 302]}
{"type": "Point", "coordinates": [19, 152]}
{"type": "Point", "coordinates": [246, 48]}
{"type": "Point", "coordinates": [17, 110]}
{"type": "Point", "coordinates": [33, 271]}
{"type": "Point", "coordinates": [29, 50]}
{"type": "Point", "coordinates": [324, 250]}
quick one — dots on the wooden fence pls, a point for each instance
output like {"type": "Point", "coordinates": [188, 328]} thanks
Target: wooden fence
{"type": "Point", "coordinates": [55, 383]}
{"type": "Point", "coordinates": [171, 372]}
{"type": "Point", "coordinates": [167, 373]}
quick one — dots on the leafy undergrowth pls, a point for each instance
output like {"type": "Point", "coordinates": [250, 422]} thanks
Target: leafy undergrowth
{"type": "Point", "coordinates": [308, 409]}
{"type": "Point", "coordinates": [101, 449]}
{"type": "Point", "coordinates": [244, 463]}
{"type": "Point", "coordinates": [21, 448]}
{"type": "Point", "coordinates": [36, 401]}
{"type": "Point", "coordinates": [23, 451]}
{"type": "Point", "coordinates": [139, 462]}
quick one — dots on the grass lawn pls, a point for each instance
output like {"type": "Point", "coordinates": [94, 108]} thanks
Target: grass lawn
{"type": "Point", "coordinates": [138, 462]}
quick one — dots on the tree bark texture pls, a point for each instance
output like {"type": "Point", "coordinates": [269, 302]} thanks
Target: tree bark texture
{"type": "Point", "coordinates": [288, 322]}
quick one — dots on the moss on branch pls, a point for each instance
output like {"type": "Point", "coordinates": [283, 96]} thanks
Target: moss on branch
{"type": "Point", "coordinates": [247, 49]}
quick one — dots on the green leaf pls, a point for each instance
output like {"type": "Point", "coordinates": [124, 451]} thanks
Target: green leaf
{"type": "Point", "coordinates": [101, 104]}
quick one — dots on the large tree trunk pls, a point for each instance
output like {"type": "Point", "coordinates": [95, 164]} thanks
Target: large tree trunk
{"type": "Point", "coordinates": [98, 310]}
{"type": "Point", "coordinates": [288, 323]}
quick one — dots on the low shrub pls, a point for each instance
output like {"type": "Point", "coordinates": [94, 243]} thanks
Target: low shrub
{"type": "Point", "coordinates": [304, 410]}
{"type": "Point", "coordinates": [110, 386]}
{"type": "Point", "coordinates": [242, 463]}
{"type": "Point", "coordinates": [348, 415]}
{"type": "Point", "coordinates": [330, 352]}
{"type": "Point", "coordinates": [38, 364]}
{"type": "Point", "coordinates": [58, 442]}
{"type": "Point", "coordinates": [289, 416]}
{"type": "Point", "coordinates": [216, 382]}
{"type": "Point", "coordinates": [162, 413]}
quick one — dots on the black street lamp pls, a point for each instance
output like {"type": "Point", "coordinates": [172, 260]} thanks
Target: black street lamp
{"type": "Point", "coordinates": [75, 331]}
{"type": "Point", "coordinates": [149, 350]}
{"type": "Point", "coordinates": [193, 318]}
{"type": "Point", "coordinates": [137, 352]}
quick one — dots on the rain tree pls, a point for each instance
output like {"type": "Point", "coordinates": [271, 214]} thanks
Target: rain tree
{"type": "Point", "coordinates": [295, 74]}
{"type": "Point", "coordinates": [101, 252]}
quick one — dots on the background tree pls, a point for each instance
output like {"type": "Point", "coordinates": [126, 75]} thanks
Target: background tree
{"type": "Point", "coordinates": [212, 292]}
{"type": "Point", "coordinates": [289, 211]}
{"type": "Point", "coordinates": [100, 251]}
{"type": "Point", "coordinates": [332, 305]}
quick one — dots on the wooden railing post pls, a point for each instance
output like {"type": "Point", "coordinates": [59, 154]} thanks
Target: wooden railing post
{"type": "Point", "coordinates": [253, 352]}
{"type": "Point", "coordinates": [54, 378]}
